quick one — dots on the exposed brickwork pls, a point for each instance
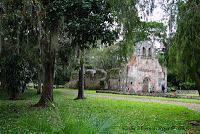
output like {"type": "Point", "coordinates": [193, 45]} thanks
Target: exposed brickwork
{"type": "Point", "coordinates": [143, 73]}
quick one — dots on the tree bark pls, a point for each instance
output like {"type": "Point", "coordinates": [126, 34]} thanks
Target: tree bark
{"type": "Point", "coordinates": [40, 68]}
{"type": "Point", "coordinates": [0, 36]}
{"type": "Point", "coordinates": [81, 78]}
{"type": "Point", "coordinates": [48, 60]}
{"type": "Point", "coordinates": [39, 88]}
{"type": "Point", "coordinates": [197, 79]}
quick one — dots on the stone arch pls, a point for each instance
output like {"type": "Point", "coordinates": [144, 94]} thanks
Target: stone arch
{"type": "Point", "coordinates": [150, 52]}
{"type": "Point", "coordinates": [144, 52]}
{"type": "Point", "coordinates": [146, 84]}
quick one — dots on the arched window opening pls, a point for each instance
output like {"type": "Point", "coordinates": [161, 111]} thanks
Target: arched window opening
{"type": "Point", "coordinates": [150, 53]}
{"type": "Point", "coordinates": [143, 52]}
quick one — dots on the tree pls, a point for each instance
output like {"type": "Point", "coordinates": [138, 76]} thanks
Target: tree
{"type": "Point", "coordinates": [49, 17]}
{"type": "Point", "coordinates": [87, 22]}
{"type": "Point", "coordinates": [184, 54]}
{"type": "Point", "coordinates": [128, 20]}
{"type": "Point", "coordinates": [29, 28]}
{"type": "Point", "coordinates": [105, 58]}
{"type": "Point", "coordinates": [1, 16]}
{"type": "Point", "coordinates": [15, 51]}
{"type": "Point", "coordinates": [44, 20]}
{"type": "Point", "coordinates": [19, 74]}
{"type": "Point", "coordinates": [126, 17]}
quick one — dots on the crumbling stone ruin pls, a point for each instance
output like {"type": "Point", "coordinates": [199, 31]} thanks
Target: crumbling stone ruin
{"type": "Point", "coordinates": [94, 79]}
{"type": "Point", "coordinates": [143, 73]}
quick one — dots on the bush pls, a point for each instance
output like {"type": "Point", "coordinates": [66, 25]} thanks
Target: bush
{"type": "Point", "coordinates": [188, 86]}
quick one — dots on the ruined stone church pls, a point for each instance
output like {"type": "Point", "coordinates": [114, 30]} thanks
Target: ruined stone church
{"type": "Point", "coordinates": [143, 73]}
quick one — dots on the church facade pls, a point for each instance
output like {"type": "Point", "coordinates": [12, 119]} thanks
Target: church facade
{"type": "Point", "coordinates": [143, 73]}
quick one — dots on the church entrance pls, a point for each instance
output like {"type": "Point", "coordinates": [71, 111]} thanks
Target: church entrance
{"type": "Point", "coordinates": [146, 85]}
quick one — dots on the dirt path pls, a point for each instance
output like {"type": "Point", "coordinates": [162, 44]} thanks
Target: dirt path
{"type": "Point", "coordinates": [192, 106]}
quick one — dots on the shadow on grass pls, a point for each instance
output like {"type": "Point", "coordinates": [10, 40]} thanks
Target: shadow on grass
{"type": "Point", "coordinates": [14, 109]}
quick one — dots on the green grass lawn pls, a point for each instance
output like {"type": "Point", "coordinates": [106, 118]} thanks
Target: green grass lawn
{"type": "Point", "coordinates": [93, 115]}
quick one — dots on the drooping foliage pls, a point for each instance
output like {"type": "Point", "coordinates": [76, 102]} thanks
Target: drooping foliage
{"type": "Point", "coordinates": [185, 50]}
{"type": "Point", "coordinates": [17, 46]}
{"type": "Point", "coordinates": [105, 58]}
{"type": "Point", "coordinates": [151, 29]}
{"type": "Point", "coordinates": [33, 29]}
{"type": "Point", "coordinates": [127, 18]}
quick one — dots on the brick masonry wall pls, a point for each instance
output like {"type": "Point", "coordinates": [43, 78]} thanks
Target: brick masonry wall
{"type": "Point", "coordinates": [143, 73]}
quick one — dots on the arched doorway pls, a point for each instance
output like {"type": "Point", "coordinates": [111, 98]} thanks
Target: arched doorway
{"type": "Point", "coordinates": [146, 85]}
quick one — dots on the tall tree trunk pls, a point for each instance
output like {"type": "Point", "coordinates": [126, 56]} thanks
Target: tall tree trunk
{"type": "Point", "coordinates": [48, 60]}
{"type": "Point", "coordinates": [39, 88]}
{"type": "Point", "coordinates": [81, 78]}
{"type": "Point", "coordinates": [47, 91]}
{"type": "Point", "coordinates": [0, 34]}
{"type": "Point", "coordinates": [40, 68]}
{"type": "Point", "coordinates": [127, 70]}
{"type": "Point", "coordinates": [49, 45]}
{"type": "Point", "coordinates": [197, 79]}
{"type": "Point", "coordinates": [1, 44]}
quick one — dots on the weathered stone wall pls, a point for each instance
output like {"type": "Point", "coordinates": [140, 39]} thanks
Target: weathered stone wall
{"type": "Point", "coordinates": [143, 73]}
{"type": "Point", "coordinates": [93, 79]}
{"type": "Point", "coordinates": [187, 91]}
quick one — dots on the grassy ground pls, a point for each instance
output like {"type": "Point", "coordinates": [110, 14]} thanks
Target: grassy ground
{"type": "Point", "coordinates": [92, 115]}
